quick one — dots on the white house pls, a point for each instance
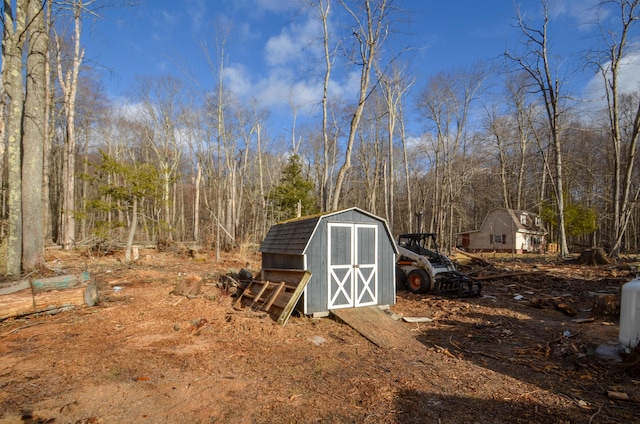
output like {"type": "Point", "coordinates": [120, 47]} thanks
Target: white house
{"type": "Point", "coordinates": [506, 230]}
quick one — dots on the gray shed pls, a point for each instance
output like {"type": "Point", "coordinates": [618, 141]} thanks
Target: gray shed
{"type": "Point", "coordinates": [350, 254]}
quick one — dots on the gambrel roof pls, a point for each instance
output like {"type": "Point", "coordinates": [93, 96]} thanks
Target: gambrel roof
{"type": "Point", "coordinates": [520, 220]}
{"type": "Point", "coordinates": [527, 222]}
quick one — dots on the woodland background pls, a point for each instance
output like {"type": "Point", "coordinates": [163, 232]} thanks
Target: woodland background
{"type": "Point", "coordinates": [199, 166]}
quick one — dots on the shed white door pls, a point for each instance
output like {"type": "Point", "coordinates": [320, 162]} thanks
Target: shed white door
{"type": "Point", "coordinates": [352, 265]}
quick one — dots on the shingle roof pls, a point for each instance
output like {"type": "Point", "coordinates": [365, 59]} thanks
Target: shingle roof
{"type": "Point", "coordinates": [291, 237]}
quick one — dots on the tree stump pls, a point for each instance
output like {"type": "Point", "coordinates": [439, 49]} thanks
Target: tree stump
{"type": "Point", "coordinates": [605, 304]}
{"type": "Point", "coordinates": [593, 257]}
{"type": "Point", "coordinates": [190, 286]}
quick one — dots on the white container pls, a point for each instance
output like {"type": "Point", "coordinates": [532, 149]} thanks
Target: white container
{"type": "Point", "coordinates": [630, 313]}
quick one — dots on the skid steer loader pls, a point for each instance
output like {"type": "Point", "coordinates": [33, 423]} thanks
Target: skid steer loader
{"type": "Point", "coordinates": [422, 268]}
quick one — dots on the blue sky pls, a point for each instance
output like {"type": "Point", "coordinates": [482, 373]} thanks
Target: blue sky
{"type": "Point", "coordinates": [273, 47]}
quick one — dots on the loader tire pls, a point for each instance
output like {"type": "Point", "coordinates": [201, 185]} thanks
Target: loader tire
{"type": "Point", "coordinates": [401, 278]}
{"type": "Point", "coordinates": [418, 281]}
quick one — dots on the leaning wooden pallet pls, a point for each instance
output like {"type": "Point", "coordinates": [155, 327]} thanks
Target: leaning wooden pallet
{"type": "Point", "coordinates": [276, 298]}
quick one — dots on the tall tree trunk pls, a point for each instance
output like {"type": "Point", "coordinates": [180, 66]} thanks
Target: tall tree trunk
{"type": "Point", "coordinates": [132, 230]}
{"type": "Point", "coordinates": [196, 203]}
{"type": "Point", "coordinates": [69, 85]}
{"type": "Point", "coordinates": [13, 44]}
{"type": "Point", "coordinates": [34, 127]}
{"type": "Point", "coordinates": [407, 178]}
{"type": "Point", "coordinates": [49, 100]}
{"type": "Point", "coordinates": [323, 10]}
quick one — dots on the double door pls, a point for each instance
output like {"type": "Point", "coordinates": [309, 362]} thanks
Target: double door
{"type": "Point", "coordinates": [352, 265]}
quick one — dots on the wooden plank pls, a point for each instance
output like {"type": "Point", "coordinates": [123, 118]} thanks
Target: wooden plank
{"type": "Point", "coordinates": [274, 294]}
{"type": "Point", "coordinates": [14, 286]}
{"type": "Point", "coordinates": [16, 299]}
{"type": "Point", "coordinates": [473, 257]}
{"type": "Point", "coordinates": [63, 291]}
{"type": "Point", "coordinates": [265, 285]}
{"type": "Point", "coordinates": [290, 276]}
{"type": "Point", "coordinates": [245, 293]}
{"type": "Point", "coordinates": [378, 327]}
{"type": "Point", "coordinates": [286, 313]}
{"type": "Point", "coordinates": [282, 300]}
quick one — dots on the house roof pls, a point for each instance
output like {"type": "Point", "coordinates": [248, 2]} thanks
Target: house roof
{"type": "Point", "coordinates": [532, 222]}
{"type": "Point", "coordinates": [530, 225]}
{"type": "Point", "coordinates": [292, 237]}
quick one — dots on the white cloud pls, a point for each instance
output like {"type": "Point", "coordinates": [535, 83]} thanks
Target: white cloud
{"type": "Point", "coordinates": [294, 43]}
{"type": "Point", "coordinates": [289, 79]}
{"type": "Point", "coordinates": [585, 12]}
{"type": "Point", "coordinates": [196, 10]}
{"type": "Point", "coordinates": [349, 88]}
{"type": "Point", "coordinates": [276, 5]}
{"type": "Point", "coordinates": [238, 81]}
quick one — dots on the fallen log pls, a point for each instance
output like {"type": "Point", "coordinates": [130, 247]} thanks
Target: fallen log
{"type": "Point", "coordinates": [476, 258]}
{"type": "Point", "coordinates": [16, 299]}
{"type": "Point", "coordinates": [505, 275]}
{"type": "Point", "coordinates": [47, 294]}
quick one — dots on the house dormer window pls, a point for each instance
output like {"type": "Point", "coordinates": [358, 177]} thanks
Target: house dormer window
{"type": "Point", "coordinates": [523, 219]}
{"type": "Point", "coordinates": [538, 221]}
{"type": "Point", "coordinates": [498, 238]}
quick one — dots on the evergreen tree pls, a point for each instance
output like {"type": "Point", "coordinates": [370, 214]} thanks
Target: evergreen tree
{"type": "Point", "coordinates": [128, 187]}
{"type": "Point", "coordinates": [293, 189]}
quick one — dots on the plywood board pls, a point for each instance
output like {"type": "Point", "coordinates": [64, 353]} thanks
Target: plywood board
{"type": "Point", "coordinates": [378, 327]}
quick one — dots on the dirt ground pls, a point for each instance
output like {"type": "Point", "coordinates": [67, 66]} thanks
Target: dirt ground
{"type": "Point", "coordinates": [145, 355]}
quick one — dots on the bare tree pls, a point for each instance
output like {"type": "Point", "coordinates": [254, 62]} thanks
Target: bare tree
{"type": "Point", "coordinates": [536, 62]}
{"type": "Point", "coordinates": [500, 131]}
{"type": "Point", "coordinates": [624, 136]}
{"type": "Point", "coordinates": [370, 33]}
{"type": "Point", "coordinates": [446, 103]}
{"type": "Point", "coordinates": [163, 116]}
{"type": "Point", "coordinates": [522, 111]}
{"type": "Point", "coordinates": [68, 80]}
{"type": "Point", "coordinates": [323, 7]}
{"type": "Point", "coordinates": [393, 86]}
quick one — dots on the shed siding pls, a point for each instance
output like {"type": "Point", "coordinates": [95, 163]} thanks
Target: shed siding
{"type": "Point", "coordinates": [316, 296]}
